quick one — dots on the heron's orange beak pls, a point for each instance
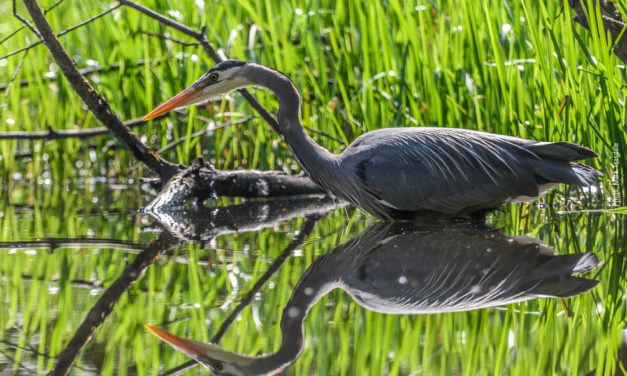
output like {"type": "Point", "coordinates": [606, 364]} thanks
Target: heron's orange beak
{"type": "Point", "coordinates": [191, 348]}
{"type": "Point", "coordinates": [180, 99]}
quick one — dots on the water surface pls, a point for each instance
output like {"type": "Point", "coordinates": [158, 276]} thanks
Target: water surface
{"type": "Point", "coordinates": [227, 273]}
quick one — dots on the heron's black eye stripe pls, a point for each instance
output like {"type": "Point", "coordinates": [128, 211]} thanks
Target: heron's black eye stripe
{"type": "Point", "coordinates": [213, 76]}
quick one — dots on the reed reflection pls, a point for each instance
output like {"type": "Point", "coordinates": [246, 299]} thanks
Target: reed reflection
{"type": "Point", "coordinates": [403, 269]}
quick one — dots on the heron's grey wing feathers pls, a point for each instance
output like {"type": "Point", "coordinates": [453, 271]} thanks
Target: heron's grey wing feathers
{"type": "Point", "coordinates": [444, 171]}
{"type": "Point", "coordinates": [452, 170]}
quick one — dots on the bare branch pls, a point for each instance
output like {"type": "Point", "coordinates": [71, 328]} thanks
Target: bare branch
{"type": "Point", "coordinates": [94, 101]}
{"type": "Point", "coordinates": [87, 72]}
{"type": "Point", "coordinates": [12, 34]}
{"type": "Point", "coordinates": [166, 37]}
{"type": "Point", "coordinates": [326, 135]}
{"type": "Point", "coordinates": [203, 132]}
{"type": "Point", "coordinates": [21, 49]}
{"type": "Point", "coordinates": [52, 134]}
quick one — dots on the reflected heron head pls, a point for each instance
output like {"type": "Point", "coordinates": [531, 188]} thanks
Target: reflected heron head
{"type": "Point", "coordinates": [213, 357]}
{"type": "Point", "coordinates": [221, 79]}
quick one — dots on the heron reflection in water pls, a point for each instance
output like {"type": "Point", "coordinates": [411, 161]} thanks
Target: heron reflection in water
{"type": "Point", "coordinates": [401, 269]}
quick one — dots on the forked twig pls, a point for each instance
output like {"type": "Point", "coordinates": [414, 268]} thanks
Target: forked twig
{"type": "Point", "coordinates": [24, 20]}
{"type": "Point", "coordinates": [22, 27]}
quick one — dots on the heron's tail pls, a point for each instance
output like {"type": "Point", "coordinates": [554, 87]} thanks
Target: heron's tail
{"type": "Point", "coordinates": [555, 275]}
{"type": "Point", "coordinates": [586, 174]}
{"type": "Point", "coordinates": [553, 163]}
{"type": "Point", "coordinates": [562, 151]}
{"type": "Point", "coordinates": [564, 287]}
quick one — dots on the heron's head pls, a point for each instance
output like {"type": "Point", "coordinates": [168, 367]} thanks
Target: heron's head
{"type": "Point", "coordinates": [222, 78]}
{"type": "Point", "coordinates": [215, 358]}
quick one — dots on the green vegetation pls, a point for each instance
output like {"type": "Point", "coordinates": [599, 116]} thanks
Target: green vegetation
{"type": "Point", "coordinates": [512, 67]}
{"type": "Point", "coordinates": [503, 67]}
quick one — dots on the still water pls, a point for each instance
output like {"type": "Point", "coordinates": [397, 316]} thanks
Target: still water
{"type": "Point", "coordinates": [313, 286]}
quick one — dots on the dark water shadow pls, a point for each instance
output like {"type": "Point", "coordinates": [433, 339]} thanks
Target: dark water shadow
{"type": "Point", "coordinates": [407, 269]}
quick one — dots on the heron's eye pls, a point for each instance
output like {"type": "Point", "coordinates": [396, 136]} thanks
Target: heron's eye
{"type": "Point", "coordinates": [213, 76]}
{"type": "Point", "coordinates": [218, 366]}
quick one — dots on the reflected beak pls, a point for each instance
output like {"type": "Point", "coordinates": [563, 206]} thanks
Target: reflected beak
{"type": "Point", "coordinates": [181, 99]}
{"type": "Point", "coordinates": [191, 348]}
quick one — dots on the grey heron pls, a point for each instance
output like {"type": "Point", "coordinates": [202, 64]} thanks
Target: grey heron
{"type": "Point", "coordinates": [403, 269]}
{"type": "Point", "coordinates": [400, 173]}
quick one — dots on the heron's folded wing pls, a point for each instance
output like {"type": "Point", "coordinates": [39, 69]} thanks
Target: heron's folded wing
{"type": "Point", "coordinates": [446, 175]}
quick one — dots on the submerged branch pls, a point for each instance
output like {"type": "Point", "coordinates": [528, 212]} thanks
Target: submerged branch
{"type": "Point", "coordinates": [94, 101]}
{"type": "Point", "coordinates": [52, 244]}
{"type": "Point", "coordinates": [30, 349]}
{"type": "Point", "coordinates": [203, 181]}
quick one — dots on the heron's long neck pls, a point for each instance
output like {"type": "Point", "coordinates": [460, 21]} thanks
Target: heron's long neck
{"type": "Point", "coordinates": [317, 162]}
{"type": "Point", "coordinates": [317, 281]}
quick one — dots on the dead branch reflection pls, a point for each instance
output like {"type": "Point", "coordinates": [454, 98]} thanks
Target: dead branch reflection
{"type": "Point", "coordinates": [202, 223]}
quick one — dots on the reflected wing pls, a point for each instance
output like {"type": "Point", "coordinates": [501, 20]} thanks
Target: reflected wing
{"type": "Point", "coordinates": [452, 269]}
